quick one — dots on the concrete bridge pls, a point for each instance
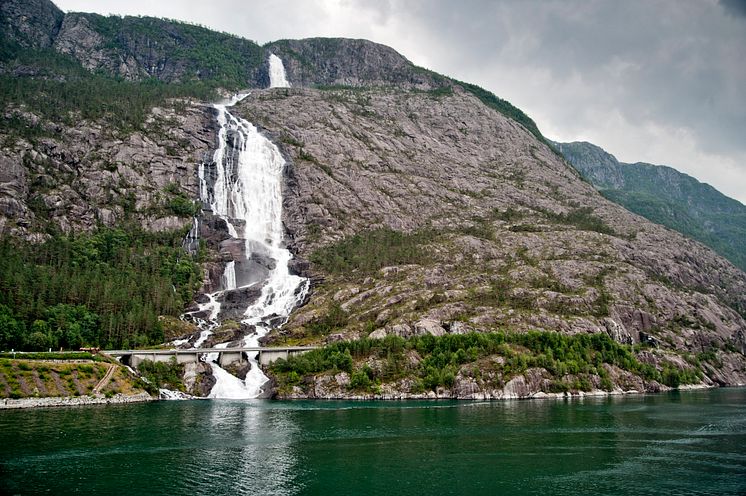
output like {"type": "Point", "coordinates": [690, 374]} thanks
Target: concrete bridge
{"type": "Point", "coordinates": [226, 356]}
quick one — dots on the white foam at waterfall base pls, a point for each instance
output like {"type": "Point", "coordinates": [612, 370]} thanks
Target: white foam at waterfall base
{"type": "Point", "coordinates": [277, 77]}
{"type": "Point", "coordinates": [228, 386]}
{"type": "Point", "coordinates": [247, 195]}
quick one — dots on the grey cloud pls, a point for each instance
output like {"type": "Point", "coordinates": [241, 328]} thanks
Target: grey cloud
{"type": "Point", "coordinates": [680, 62]}
{"type": "Point", "coordinates": [735, 7]}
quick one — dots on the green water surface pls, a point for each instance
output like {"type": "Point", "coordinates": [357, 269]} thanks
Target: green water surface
{"type": "Point", "coordinates": [677, 443]}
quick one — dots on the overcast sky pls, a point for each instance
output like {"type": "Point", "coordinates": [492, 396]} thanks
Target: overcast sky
{"type": "Point", "coordinates": [659, 81]}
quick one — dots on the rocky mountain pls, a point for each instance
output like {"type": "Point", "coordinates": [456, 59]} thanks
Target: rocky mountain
{"type": "Point", "coordinates": [500, 231]}
{"type": "Point", "coordinates": [665, 196]}
{"type": "Point", "coordinates": [418, 205]}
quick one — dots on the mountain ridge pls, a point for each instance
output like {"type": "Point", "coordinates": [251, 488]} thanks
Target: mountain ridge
{"type": "Point", "coordinates": [665, 196]}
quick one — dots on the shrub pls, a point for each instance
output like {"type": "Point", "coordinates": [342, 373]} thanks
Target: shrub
{"type": "Point", "coordinates": [581, 218]}
{"type": "Point", "coordinates": [360, 379]}
{"type": "Point", "coordinates": [183, 207]}
{"type": "Point", "coordinates": [163, 374]}
{"type": "Point", "coordinates": [442, 357]}
{"type": "Point", "coordinates": [335, 318]}
{"type": "Point", "coordinates": [370, 251]}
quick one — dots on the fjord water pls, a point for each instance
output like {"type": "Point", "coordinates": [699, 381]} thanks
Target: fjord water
{"type": "Point", "coordinates": [678, 443]}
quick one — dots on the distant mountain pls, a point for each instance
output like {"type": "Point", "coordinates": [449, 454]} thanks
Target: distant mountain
{"type": "Point", "coordinates": [665, 196]}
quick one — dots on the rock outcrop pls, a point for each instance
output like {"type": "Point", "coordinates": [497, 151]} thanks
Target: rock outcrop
{"type": "Point", "coordinates": [339, 61]}
{"type": "Point", "coordinates": [30, 23]}
{"type": "Point", "coordinates": [89, 175]}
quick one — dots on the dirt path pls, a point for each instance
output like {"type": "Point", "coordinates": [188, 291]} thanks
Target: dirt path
{"type": "Point", "coordinates": [105, 380]}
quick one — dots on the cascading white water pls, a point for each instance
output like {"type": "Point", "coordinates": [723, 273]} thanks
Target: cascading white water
{"type": "Point", "coordinates": [277, 77]}
{"type": "Point", "coordinates": [246, 192]}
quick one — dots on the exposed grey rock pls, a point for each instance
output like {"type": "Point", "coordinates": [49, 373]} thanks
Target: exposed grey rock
{"type": "Point", "coordinates": [78, 39]}
{"type": "Point", "coordinates": [378, 334]}
{"type": "Point", "coordinates": [617, 332]}
{"type": "Point", "coordinates": [338, 61]}
{"type": "Point", "coordinates": [402, 330]}
{"type": "Point", "coordinates": [86, 174]}
{"type": "Point", "coordinates": [531, 272]}
{"type": "Point", "coordinates": [31, 23]}
{"type": "Point", "coordinates": [198, 378]}
{"type": "Point", "coordinates": [459, 327]}
{"type": "Point", "coordinates": [7, 403]}
{"type": "Point", "coordinates": [428, 326]}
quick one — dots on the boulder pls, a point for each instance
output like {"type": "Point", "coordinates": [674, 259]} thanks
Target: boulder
{"type": "Point", "coordinates": [379, 333]}
{"type": "Point", "coordinates": [429, 326]}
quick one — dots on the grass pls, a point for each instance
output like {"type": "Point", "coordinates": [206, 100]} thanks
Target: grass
{"type": "Point", "coordinates": [35, 378]}
{"type": "Point", "coordinates": [582, 219]}
{"type": "Point", "coordinates": [73, 355]}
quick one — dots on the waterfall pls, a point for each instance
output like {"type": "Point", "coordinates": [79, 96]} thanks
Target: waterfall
{"type": "Point", "coordinates": [277, 78]}
{"type": "Point", "coordinates": [243, 187]}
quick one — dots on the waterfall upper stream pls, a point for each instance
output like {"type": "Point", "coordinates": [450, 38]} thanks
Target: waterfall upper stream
{"type": "Point", "coordinates": [242, 187]}
{"type": "Point", "coordinates": [277, 77]}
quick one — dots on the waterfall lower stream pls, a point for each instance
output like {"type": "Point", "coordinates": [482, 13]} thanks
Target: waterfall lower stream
{"type": "Point", "coordinates": [243, 188]}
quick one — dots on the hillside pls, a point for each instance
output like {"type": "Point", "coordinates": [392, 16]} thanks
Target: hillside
{"type": "Point", "coordinates": [420, 207]}
{"type": "Point", "coordinates": [59, 379]}
{"type": "Point", "coordinates": [423, 212]}
{"type": "Point", "coordinates": [665, 196]}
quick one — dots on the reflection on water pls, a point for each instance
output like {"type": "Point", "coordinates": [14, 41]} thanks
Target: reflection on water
{"type": "Point", "coordinates": [688, 443]}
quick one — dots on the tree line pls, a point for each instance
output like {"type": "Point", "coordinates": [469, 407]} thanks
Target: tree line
{"type": "Point", "coordinates": [105, 289]}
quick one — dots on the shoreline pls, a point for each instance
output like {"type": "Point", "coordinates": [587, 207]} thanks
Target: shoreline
{"type": "Point", "coordinates": [119, 399]}
{"type": "Point", "coordinates": [539, 395]}
{"type": "Point", "coordinates": [69, 401]}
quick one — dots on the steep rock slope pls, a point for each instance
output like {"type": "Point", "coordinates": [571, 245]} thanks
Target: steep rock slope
{"type": "Point", "coordinates": [135, 48]}
{"type": "Point", "coordinates": [30, 23]}
{"type": "Point", "coordinates": [504, 233]}
{"type": "Point", "coordinates": [141, 47]}
{"type": "Point", "coordinates": [83, 176]}
{"type": "Point", "coordinates": [665, 196]}
{"type": "Point", "coordinates": [339, 61]}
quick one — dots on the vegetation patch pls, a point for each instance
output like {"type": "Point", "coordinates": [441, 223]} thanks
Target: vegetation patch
{"type": "Point", "coordinates": [573, 361]}
{"type": "Point", "coordinates": [105, 289]}
{"type": "Point", "coordinates": [335, 319]}
{"type": "Point", "coordinates": [163, 374]}
{"type": "Point", "coordinates": [36, 378]}
{"type": "Point", "coordinates": [370, 251]}
{"type": "Point", "coordinates": [59, 89]}
{"type": "Point", "coordinates": [181, 206]}
{"type": "Point", "coordinates": [582, 219]}
{"type": "Point", "coordinates": [75, 355]}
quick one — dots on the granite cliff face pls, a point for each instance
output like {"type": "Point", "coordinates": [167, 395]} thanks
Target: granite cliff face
{"type": "Point", "coordinates": [337, 61]}
{"type": "Point", "coordinates": [30, 23]}
{"type": "Point", "coordinates": [417, 205]}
